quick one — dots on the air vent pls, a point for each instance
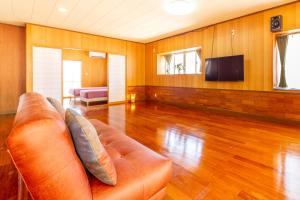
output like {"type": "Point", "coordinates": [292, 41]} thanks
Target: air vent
{"type": "Point", "coordinates": [93, 54]}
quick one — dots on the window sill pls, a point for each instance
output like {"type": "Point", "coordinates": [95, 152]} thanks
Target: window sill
{"type": "Point", "coordinates": [286, 89]}
{"type": "Point", "coordinates": [178, 74]}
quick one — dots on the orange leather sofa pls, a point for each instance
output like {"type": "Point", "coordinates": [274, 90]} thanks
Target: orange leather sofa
{"type": "Point", "coordinates": [43, 152]}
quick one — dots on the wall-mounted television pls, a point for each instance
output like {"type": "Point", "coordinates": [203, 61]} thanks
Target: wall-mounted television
{"type": "Point", "coordinates": [230, 68]}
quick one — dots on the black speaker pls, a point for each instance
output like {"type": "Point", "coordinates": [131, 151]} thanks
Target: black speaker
{"type": "Point", "coordinates": [276, 23]}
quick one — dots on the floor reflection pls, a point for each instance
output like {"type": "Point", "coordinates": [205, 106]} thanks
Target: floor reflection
{"type": "Point", "coordinates": [117, 116]}
{"type": "Point", "coordinates": [226, 154]}
{"type": "Point", "coordinates": [184, 147]}
{"type": "Point", "coordinates": [289, 174]}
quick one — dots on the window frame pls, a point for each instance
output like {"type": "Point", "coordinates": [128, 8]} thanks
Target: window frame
{"type": "Point", "coordinates": [184, 52]}
{"type": "Point", "coordinates": [276, 60]}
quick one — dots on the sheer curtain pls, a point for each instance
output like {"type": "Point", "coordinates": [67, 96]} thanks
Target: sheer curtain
{"type": "Point", "coordinates": [292, 72]}
{"type": "Point", "coordinates": [168, 59]}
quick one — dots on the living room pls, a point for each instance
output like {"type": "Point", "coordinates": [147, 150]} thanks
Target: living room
{"type": "Point", "coordinates": [174, 99]}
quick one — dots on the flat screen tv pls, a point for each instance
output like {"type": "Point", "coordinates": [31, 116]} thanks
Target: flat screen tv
{"type": "Point", "coordinates": [230, 68]}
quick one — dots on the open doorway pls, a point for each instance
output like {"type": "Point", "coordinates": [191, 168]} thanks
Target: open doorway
{"type": "Point", "coordinates": [71, 76]}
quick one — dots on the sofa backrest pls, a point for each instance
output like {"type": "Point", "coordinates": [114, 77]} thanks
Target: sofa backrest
{"type": "Point", "coordinates": [43, 152]}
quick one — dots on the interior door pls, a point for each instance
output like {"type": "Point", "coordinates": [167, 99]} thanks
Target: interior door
{"type": "Point", "coordinates": [47, 72]}
{"type": "Point", "coordinates": [116, 78]}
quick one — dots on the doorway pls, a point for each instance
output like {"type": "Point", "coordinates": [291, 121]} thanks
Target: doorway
{"type": "Point", "coordinates": [71, 76]}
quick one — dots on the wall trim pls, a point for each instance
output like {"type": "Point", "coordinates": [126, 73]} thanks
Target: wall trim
{"type": "Point", "coordinates": [220, 89]}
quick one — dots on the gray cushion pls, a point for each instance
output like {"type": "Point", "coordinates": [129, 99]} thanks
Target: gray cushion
{"type": "Point", "coordinates": [57, 105]}
{"type": "Point", "coordinates": [89, 148]}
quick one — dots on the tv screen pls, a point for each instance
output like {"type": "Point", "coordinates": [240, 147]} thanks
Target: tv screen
{"type": "Point", "coordinates": [229, 68]}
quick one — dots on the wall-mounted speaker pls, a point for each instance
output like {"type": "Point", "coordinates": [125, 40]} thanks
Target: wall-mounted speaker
{"type": "Point", "coordinates": [276, 23]}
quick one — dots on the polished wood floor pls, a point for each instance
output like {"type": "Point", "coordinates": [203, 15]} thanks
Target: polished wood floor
{"type": "Point", "coordinates": [215, 156]}
{"type": "Point", "coordinates": [8, 174]}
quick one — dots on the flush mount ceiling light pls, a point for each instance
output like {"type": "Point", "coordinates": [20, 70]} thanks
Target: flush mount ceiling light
{"type": "Point", "coordinates": [180, 7]}
{"type": "Point", "coordinates": [62, 10]}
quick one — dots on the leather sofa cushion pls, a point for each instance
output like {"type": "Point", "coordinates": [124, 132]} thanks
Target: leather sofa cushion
{"type": "Point", "coordinates": [89, 148]}
{"type": "Point", "coordinates": [141, 172]}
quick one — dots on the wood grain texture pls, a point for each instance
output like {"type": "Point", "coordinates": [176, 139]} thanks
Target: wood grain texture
{"type": "Point", "coordinates": [252, 38]}
{"type": "Point", "coordinates": [58, 38]}
{"type": "Point", "coordinates": [12, 187]}
{"type": "Point", "coordinates": [273, 105]}
{"type": "Point", "coordinates": [94, 70]}
{"type": "Point", "coordinates": [140, 92]}
{"type": "Point", "coordinates": [12, 66]}
{"type": "Point", "coordinates": [214, 156]}
{"type": "Point", "coordinates": [135, 64]}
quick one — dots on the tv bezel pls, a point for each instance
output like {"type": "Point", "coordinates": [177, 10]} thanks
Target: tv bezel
{"type": "Point", "coordinates": [241, 76]}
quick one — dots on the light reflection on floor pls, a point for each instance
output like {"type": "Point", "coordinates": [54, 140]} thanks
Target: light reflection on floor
{"type": "Point", "coordinates": [183, 147]}
{"type": "Point", "coordinates": [289, 173]}
{"type": "Point", "coordinates": [191, 144]}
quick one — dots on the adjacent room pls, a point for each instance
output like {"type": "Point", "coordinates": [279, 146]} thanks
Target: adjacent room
{"type": "Point", "coordinates": [149, 99]}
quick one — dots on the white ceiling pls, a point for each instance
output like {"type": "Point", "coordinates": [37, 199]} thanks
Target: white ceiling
{"type": "Point", "coordinates": [136, 20]}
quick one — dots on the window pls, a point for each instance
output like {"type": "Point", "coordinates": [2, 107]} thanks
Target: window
{"type": "Point", "coordinates": [71, 76]}
{"type": "Point", "coordinates": [180, 62]}
{"type": "Point", "coordinates": [287, 71]}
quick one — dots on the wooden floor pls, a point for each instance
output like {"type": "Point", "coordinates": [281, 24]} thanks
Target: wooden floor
{"type": "Point", "coordinates": [8, 174]}
{"type": "Point", "coordinates": [215, 156]}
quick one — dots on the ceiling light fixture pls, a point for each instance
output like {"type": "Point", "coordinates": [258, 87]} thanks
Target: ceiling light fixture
{"type": "Point", "coordinates": [180, 7]}
{"type": "Point", "coordinates": [62, 10]}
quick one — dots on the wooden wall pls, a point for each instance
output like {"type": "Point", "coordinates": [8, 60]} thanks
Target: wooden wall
{"type": "Point", "coordinates": [12, 67]}
{"type": "Point", "coordinates": [94, 70]}
{"type": "Point", "coordinates": [139, 91]}
{"type": "Point", "coordinates": [58, 38]}
{"type": "Point", "coordinates": [268, 105]}
{"type": "Point", "coordinates": [252, 38]}
{"type": "Point", "coordinates": [135, 59]}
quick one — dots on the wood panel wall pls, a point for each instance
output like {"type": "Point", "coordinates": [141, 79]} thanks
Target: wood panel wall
{"type": "Point", "coordinates": [268, 105]}
{"type": "Point", "coordinates": [94, 70]}
{"type": "Point", "coordinates": [139, 91]}
{"type": "Point", "coordinates": [58, 38]}
{"type": "Point", "coordinates": [12, 67]}
{"type": "Point", "coordinates": [252, 38]}
{"type": "Point", "coordinates": [135, 73]}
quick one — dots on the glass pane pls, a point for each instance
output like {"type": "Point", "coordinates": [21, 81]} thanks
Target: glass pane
{"type": "Point", "coordinates": [179, 63]}
{"type": "Point", "coordinates": [198, 64]}
{"type": "Point", "coordinates": [71, 76]}
{"type": "Point", "coordinates": [190, 62]}
{"type": "Point", "coordinates": [161, 68]}
{"type": "Point", "coordinates": [172, 67]}
{"type": "Point", "coordinates": [278, 65]}
{"type": "Point", "coordinates": [293, 62]}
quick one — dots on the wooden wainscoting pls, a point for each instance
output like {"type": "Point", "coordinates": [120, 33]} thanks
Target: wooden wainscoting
{"type": "Point", "coordinates": [12, 66]}
{"type": "Point", "coordinates": [138, 90]}
{"type": "Point", "coordinates": [270, 105]}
